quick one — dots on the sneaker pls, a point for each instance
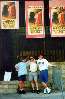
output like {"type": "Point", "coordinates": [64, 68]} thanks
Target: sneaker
{"type": "Point", "coordinates": [37, 91]}
{"type": "Point", "coordinates": [48, 90]}
{"type": "Point", "coordinates": [23, 91]}
{"type": "Point", "coordinates": [19, 91]}
{"type": "Point", "coordinates": [45, 91]}
{"type": "Point", "coordinates": [33, 91]}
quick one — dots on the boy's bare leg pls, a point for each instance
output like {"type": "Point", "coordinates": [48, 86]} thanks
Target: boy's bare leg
{"type": "Point", "coordinates": [32, 84]}
{"type": "Point", "coordinates": [44, 85]}
{"type": "Point", "coordinates": [21, 85]}
{"type": "Point", "coordinates": [36, 85]}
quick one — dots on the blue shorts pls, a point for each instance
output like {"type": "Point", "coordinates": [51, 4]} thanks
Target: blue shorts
{"type": "Point", "coordinates": [43, 76]}
{"type": "Point", "coordinates": [22, 78]}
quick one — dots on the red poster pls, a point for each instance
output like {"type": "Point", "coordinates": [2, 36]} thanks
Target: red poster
{"type": "Point", "coordinates": [9, 14]}
{"type": "Point", "coordinates": [0, 15]}
{"type": "Point", "coordinates": [57, 18]}
{"type": "Point", "coordinates": [34, 11]}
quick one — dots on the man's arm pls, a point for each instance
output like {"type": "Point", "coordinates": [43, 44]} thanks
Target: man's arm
{"type": "Point", "coordinates": [16, 67]}
{"type": "Point", "coordinates": [51, 64]}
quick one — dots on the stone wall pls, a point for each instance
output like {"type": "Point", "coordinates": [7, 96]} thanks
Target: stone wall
{"type": "Point", "coordinates": [57, 75]}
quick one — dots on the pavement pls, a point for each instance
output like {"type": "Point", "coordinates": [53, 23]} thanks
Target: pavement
{"type": "Point", "coordinates": [29, 95]}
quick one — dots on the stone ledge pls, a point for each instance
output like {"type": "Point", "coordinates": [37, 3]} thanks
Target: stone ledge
{"type": "Point", "coordinates": [8, 86]}
{"type": "Point", "coordinates": [9, 82]}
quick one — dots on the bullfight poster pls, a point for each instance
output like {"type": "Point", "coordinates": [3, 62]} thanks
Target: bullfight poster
{"type": "Point", "coordinates": [9, 14]}
{"type": "Point", "coordinates": [34, 16]}
{"type": "Point", "coordinates": [0, 15]}
{"type": "Point", "coordinates": [57, 18]}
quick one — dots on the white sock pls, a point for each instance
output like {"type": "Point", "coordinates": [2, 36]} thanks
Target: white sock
{"type": "Point", "coordinates": [21, 89]}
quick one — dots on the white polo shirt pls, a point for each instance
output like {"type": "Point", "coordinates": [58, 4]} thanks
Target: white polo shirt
{"type": "Point", "coordinates": [42, 64]}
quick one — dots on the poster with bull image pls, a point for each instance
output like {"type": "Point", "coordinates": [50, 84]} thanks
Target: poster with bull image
{"type": "Point", "coordinates": [0, 15]}
{"type": "Point", "coordinates": [57, 18]}
{"type": "Point", "coordinates": [34, 19]}
{"type": "Point", "coordinates": [9, 15]}
{"type": "Point", "coordinates": [58, 21]}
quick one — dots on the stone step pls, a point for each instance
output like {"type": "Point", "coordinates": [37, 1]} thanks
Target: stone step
{"type": "Point", "coordinates": [11, 86]}
{"type": "Point", "coordinates": [8, 86]}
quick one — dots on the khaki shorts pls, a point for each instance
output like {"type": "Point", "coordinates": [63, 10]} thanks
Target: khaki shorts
{"type": "Point", "coordinates": [33, 76]}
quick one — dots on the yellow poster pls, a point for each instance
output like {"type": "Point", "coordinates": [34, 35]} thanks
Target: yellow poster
{"type": "Point", "coordinates": [9, 15]}
{"type": "Point", "coordinates": [34, 11]}
{"type": "Point", "coordinates": [0, 15]}
{"type": "Point", "coordinates": [57, 18]}
{"type": "Point", "coordinates": [58, 21]}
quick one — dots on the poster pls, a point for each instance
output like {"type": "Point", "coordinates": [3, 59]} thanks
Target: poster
{"type": "Point", "coordinates": [34, 16]}
{"type": "Point", "coordinates": [9, 15]}
{"type": "Point", "coordinates": [57, 18]}
{"type": "Point", "coordinates": [0, 15]}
